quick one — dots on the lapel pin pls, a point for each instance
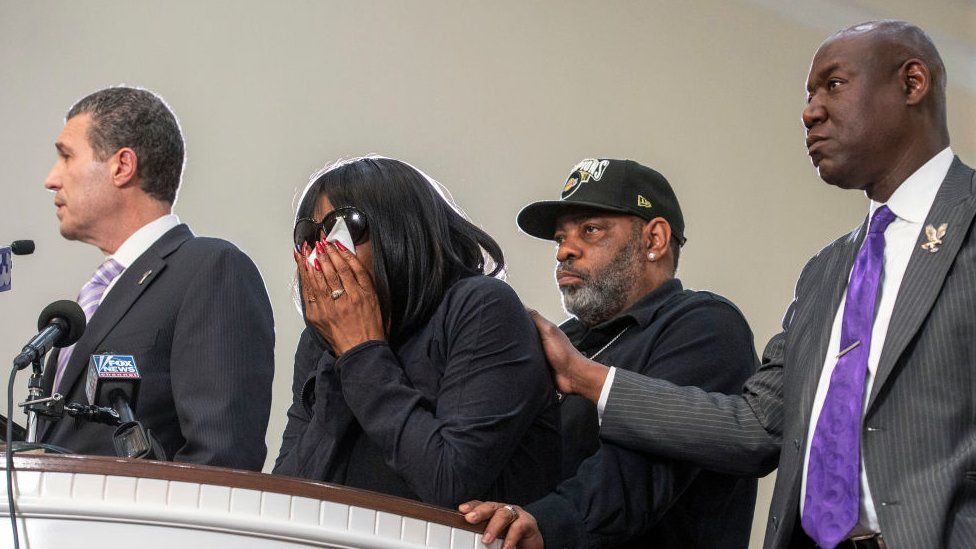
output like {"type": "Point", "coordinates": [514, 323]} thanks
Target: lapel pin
{"type": "Point", "coordinates": [145, 275]}
{"type": "Point", "coordinates": [934, 237]}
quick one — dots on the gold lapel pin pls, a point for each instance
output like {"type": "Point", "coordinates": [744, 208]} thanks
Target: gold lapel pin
{"type": "Point", "coordinates": [934, 237]}
{"type": "Point", "coordinates": [145, 275]}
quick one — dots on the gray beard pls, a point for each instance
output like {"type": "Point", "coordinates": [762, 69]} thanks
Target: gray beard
{"type": "Point", "coordinates": [603, 293]}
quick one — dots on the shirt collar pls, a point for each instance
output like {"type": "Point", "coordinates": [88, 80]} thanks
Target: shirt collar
{"type": "Point", "coordinates": [913, 199]}
{"type": "Point", "coordinates": [141, 240]}
{"type": "Point", "coordinates": [645, 308]}
{"type": "Point", "coordinates": [641, 312]}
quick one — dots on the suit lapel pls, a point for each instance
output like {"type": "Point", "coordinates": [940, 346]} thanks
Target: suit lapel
{"type": "Point", "coordinates": [124, 294]}
{"type": "Point", "coordinates": [954, 204]}
{"type": "Point", "coordinates": [835, 277]}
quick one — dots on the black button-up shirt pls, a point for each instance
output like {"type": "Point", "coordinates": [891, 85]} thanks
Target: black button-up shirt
{"type": "Point", "coordinates": [622, 497]}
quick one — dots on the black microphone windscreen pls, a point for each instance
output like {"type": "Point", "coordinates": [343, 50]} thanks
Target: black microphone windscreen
{"type": "Point", "coordinates": [22, 247]}
{"type": "Point", "coordinates": [71, 312]}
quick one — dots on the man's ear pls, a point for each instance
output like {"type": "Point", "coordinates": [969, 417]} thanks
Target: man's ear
{"type": "Point", "coordinates": [916, 80]}
{"type": "Point", "coordinates": [656, 237]}
{"type": "Point", "coordinates": [124, 166]}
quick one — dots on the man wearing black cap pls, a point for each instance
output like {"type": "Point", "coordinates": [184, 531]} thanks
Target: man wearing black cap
{"type": "Point", "coordinates": [619, 230]}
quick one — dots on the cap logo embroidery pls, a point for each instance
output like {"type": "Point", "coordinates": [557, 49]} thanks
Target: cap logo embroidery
{"type": "Point", "coordinates": [643, 202]}
{"type": "Point", "coordinates": [583, 172]}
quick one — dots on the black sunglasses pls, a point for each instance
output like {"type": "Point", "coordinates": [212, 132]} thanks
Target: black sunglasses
{"type": "Point", "coordinates": [307, 230]}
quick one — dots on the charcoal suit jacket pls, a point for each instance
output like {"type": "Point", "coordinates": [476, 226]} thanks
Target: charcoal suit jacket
{"type": "Point", "coordinates": [195, 314]}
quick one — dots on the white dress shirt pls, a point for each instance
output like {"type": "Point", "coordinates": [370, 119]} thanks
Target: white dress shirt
{"type": "Point", "coordinates": [139, 242]}
{"type": "Point", "coordinates": [911, 203]}
{"type": "Point", "coordinates": [604, 395]}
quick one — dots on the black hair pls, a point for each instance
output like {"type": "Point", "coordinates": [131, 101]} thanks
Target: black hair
{"type": "Point", "coordinates": [141, 120]}
{"type": "Point", "coordinates": [422, 244]}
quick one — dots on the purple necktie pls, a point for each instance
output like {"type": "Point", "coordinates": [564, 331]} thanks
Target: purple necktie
{"type": "Point", "coordinates": [89, 298]}
{"type": "Point", "coordinates": [832, 505]}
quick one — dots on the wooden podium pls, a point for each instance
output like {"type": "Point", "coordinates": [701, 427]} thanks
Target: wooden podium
{"type": "Point", "coordinates": [88, 501]}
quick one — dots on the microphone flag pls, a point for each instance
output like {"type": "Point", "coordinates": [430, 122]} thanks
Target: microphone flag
{"type": "Point", "coordinates": [6, 265]}
{"type": "Point", "coordinates": [108, 372]}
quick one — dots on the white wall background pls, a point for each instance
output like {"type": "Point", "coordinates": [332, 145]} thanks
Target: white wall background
{"type": "Point", "coordinates": [495, 99]}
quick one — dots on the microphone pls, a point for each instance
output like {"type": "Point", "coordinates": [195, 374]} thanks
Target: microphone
{"type": "Point", "coordinates": [22, 247]}
{"type": "Point", "coordinates": [60, 324]}
{"type": "Point", "coordinates": [113, 381]}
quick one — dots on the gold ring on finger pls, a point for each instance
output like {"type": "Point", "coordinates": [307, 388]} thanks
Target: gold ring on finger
{"type": "Point", "coordinates": [513, 512]}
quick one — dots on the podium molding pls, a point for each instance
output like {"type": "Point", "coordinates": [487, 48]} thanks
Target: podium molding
{"type": "Point", "coordinates": [83, 499]}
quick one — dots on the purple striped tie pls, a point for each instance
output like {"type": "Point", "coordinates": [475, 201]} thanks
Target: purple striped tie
{"type": "Point", "coordinates": [832, 505]}
{"type": "Point", "coordinates": [89, 298]}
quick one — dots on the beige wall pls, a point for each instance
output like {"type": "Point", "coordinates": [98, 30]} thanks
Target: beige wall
{"type": "Point", "coordinates": [495, 99]}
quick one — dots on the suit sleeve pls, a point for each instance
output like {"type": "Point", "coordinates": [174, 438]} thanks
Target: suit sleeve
{"type": "Point", "coordinates": [733, 434]}
{"type": "Point", "coordinates": [493, 386]}
{"type": "Point", "coordinates": [222, 363]}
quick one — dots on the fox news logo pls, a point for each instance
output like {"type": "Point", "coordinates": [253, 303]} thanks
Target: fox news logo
{"type": "Point", "coordinates": [115, 366]}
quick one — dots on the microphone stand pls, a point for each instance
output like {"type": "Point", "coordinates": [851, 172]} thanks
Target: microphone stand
{"type": "Point", "coordinates": [51, 407]}
{"type": "Point", "coordinates": [34, 393]}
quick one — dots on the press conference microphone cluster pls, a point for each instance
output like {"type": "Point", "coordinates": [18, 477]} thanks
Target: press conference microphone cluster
{"type": "Point", "coordinates": [59, 325]}
{"type": "Point", "coordinates": [113, 382]}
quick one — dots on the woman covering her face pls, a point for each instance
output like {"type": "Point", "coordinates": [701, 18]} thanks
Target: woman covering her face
{"type": "Point", "coordinates": [419, 374]}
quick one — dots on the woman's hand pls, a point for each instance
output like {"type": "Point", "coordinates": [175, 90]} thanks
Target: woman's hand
{"type": "Point", "coordinates": [340, 301]}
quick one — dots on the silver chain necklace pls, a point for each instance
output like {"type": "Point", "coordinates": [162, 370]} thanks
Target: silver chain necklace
{"type": "Point", "coordinates": [609, 343]}
{"type": "Point", "coordinates": [559, 394]}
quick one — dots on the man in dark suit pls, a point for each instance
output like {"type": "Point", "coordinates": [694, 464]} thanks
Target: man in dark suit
{"type": "Point", "coordinates": [865, 400]}
{"type": "Point", "coordinates": [619, 229]}
{"type": "Point", "coordinates": [193, 311]}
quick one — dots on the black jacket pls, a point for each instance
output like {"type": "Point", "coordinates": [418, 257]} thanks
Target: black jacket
{"type": "Point", "coordinates": [463, 409]}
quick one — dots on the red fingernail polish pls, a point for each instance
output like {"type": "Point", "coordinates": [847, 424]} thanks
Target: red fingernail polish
{"type": "Point", "coordinates": [318, 247]}
{"type": "Point", "coordinates": [318, 266]}
{"type": "Point", "coordinates": [340, 246]}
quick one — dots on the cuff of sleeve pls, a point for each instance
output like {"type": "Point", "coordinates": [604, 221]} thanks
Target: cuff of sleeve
{"type": "Point", "coordinates": [605, 394]}
{"type": "Point", "coordinates": [557, 521]}
{"type": "Point", "coordinates": [358, 349]}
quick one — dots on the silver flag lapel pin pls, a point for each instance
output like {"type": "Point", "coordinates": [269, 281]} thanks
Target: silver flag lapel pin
{"type": "Point", "coordinates": [934, 237]}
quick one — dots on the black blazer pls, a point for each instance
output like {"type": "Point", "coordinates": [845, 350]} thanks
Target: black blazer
{"type": "Point", "coordinates": [463, 409]}
{"type": "Point", "coordinates": [195, 314]}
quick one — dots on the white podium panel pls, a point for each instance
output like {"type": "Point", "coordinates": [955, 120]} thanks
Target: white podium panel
{"type": "Point", "coordinates": [75, 501]}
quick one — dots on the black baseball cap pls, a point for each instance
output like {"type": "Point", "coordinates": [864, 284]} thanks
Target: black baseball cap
{"type": "Point", "coordinates": [620, 186]}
